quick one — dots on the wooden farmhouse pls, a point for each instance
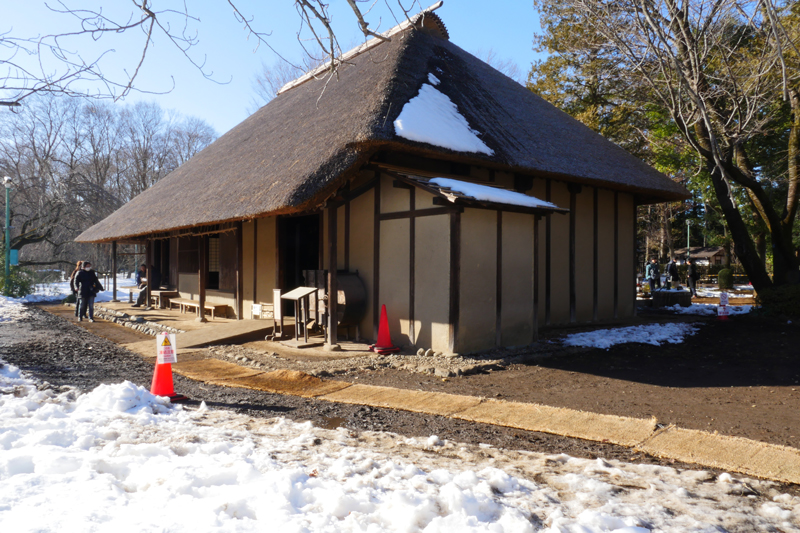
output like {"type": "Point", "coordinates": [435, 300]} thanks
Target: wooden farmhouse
{"type": "Point", "coordinates": [419, 178]}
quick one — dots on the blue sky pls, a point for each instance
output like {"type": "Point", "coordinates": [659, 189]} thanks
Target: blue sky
{"type": "Point", "coordinates": [504, 26]}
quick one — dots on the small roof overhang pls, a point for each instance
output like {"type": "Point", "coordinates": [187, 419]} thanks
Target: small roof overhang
{"type": "Point", "coordinates": [467, 194]}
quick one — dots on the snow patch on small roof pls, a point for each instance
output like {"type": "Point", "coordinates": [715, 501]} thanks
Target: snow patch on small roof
{"type": "Point", "coordinates": [486, 193]}
{"type": "Point", "coordinates": [431, 117]}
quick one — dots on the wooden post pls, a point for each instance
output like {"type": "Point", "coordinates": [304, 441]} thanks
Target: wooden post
{"type": "Point", "coordinates": [547, 262]}
{"type": "Point", "coordinates": [239, 276]}
{"type": "Point", "coordinates": [616, 254]}
{"type": "Point", "coordinates": [255, 261]}
{"type": "Point", "coordinates": [535, 332]}
{"type": "Point", "coordinates": [114, 270]}
{"type": "Point", "coordinates": [333, 286]}
{"type": "Point", "coordinates": [455, 279]}
{"type": "Point", "coordinates": [574, 191]}
{"type": "Point", "coordinates": [412, 240]}
{"type": "Point", "coordinates": [595, 256]}
{"type": "Point", "coordinates": [201, 277]}
{"type": "Point", "coordinates": [148, 259]}
{"type": "Point", "coordinates": [376, 257]}
{"type": "Point", "coordinates": [635, 262]}
{"type": "Point", "coordinates": [498, 321]}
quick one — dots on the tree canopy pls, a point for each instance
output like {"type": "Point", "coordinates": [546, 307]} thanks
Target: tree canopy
{"type": "Point", "coordinates": [707, 91]}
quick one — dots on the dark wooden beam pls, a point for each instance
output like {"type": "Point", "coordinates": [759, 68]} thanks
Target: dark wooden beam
{"type": "Point", "coordinates": [114, 270]}
{"type": "Point", "coordinates": [498, 319]}
{"type": "Point", "coordinates": [350, 195]}
{"type": "Point", "coordinates": [278, 256]}
{"type": "Point", "coordinates": [633, 281]}
{"type": "Point", "coordinates": [412, 334]}
{"type": "Point", "coordinates": [321, 241]}
{"type": "Point", "coordinates": [455, 279]}
{"type": "Point", "coordinates": [255, 261]}
{"type": "Point", "coordinates": [347, 236]}
{"type": "Point", "coordinates": [376, 258]}
{"type": "Point", "coordinates": [201, 278]}
{"type": "Point", "coordinates": [574, 190]}
{"type": "Point", "coordinates": [547, 263]}
{"type": "Point", "coordinates": [429, 212]}
{"type": "Point", "coordinates": [148, 254]}
{"type": "Point", "coordinates": [239, 273]}
{"type": "Point", "coordinates": [535, 332]}
{"type": "Point", "coordinates": [595, 255]}
{"type": "Point", "coordinates": [616, 254]}
{"type": "Point", "coordinates": [333, 286]}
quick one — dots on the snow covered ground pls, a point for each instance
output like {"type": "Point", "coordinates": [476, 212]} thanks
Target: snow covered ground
{"type": "Point", "coordinates": [709, 309]}
{"type": "Point", "coordinates": [655, 334]}
{"type": "Point", "coordinates": [118, 459]}
{"type": "Point", "coordinates": [709, 292]}
{"type": "Point", "coordinates": [47, 292]}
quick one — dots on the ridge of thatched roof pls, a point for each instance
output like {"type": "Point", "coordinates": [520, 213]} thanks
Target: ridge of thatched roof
{"type": "Point", "coordinates": [296, 150]}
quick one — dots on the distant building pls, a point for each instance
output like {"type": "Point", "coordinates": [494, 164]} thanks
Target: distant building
{"type": "Point", "coordinates": [711, 255]}
{"type": "Point", "coordinates": [339, 175]}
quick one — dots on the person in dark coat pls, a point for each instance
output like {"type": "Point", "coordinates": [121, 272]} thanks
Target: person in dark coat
{"type": "Point", "coordinates": [74, 288]}
{"type": "Point", "coordinates": [88, 287]}
{"type": "Point", "coordinates": [653, 274]}
{"type": "Point", "coordinates": [155, 274]}
{"type": "Point", "coordinates": [672, 273]}
{"type": "Point", "coordinates": [692, 276]}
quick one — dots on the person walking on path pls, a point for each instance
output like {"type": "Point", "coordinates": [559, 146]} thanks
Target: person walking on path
{"type": "Point", "coordinates": [692, 277]}
{"type": "Point", "coordinates": [672, 273]}
{"type": "Point", "coordinates": [653, 275]}
{"type": "Point", "coordinates": [74, 288]}
{"type": "Point", "coordinates": [88, 287]}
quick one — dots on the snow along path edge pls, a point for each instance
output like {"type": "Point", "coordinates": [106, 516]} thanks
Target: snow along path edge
{"type": "Point", "coordinates": [734, 454]}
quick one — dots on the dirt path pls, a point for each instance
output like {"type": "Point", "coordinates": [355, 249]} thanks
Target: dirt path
{"type": "Point", "coordinates": [740, 377]}
{"type": "Point", "coordinates": [716, 373]}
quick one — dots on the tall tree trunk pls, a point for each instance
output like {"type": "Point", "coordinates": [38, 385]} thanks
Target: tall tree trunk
{"type": "Point", "coordinates": [787, 222]}
{"type": "Point", "coordinates": [761, 246]}
{"type": "Point", "coordinates": [668, 227]}
{"type": "Point", "coordinates": [743, 244]}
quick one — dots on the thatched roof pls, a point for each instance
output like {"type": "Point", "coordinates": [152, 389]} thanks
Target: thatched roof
{"type": "Point", "coordinates": [295, 151]}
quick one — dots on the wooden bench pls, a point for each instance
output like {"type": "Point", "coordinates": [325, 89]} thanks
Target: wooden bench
{"type": "Point", "coordinates": [161, 297]}
{"type": "Point", "coordinates": [131, 291]}
{"type": "Point", "coordinates": [185, 303]}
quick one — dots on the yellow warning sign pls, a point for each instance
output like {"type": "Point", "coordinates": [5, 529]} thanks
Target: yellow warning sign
{"type": "Point", "coordinates": [165, 345]}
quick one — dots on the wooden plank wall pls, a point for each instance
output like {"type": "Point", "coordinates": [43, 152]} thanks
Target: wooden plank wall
{"type": "Point", "coordinates": [407, 260]}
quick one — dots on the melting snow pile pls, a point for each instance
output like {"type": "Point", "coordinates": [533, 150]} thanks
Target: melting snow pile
{"type": "Point", "coordinates": [655, 334]}
{"type": "Point", "coordinates": [490, 194]}
{"type": "Point", "coordinates": [11, 309]}
{"type": "Point", "coordinates": [706, 292]}
{"type": "Point", "coordinates": [120, 459]}
{"type": "Point", "coordinates": [431, 117]}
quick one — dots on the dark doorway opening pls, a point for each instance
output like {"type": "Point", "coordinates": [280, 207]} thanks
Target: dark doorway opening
{"type": "Point", "coordinates": [298, 238]}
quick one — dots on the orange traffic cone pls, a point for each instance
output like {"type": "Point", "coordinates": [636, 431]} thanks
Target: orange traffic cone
{"type": "Point", "coordinates": [384, 344]}
{"type": "Point", "coordinates": [162, 384]}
